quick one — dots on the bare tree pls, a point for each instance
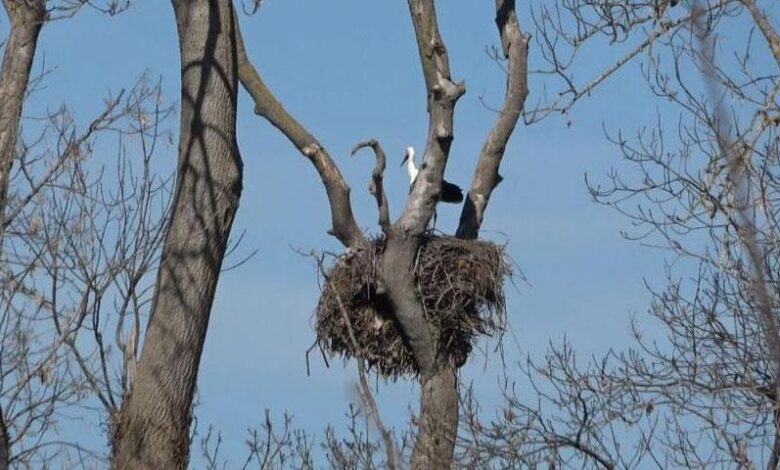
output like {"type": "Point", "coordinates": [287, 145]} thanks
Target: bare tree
{"type": "Point", "coordinates": [705, 188]}
{"type": "Point", "coordinates": [710, 200]}
{"type": "Point", "coordinates": [26, 20]}
{"type": "Point", "coordinates": [438, 419]}
{"type": "Point", "coordinates": [79, 247]}
{"type": "Point", "coordinates": [54, 219]}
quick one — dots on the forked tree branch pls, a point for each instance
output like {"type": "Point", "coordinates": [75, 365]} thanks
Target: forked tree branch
{"type": "Point", "coordinates": [266, 105]}
{"type": "Point", "coordinates": [486, 176]}
{"type": "Point", "coordinates": [442, 94]}
{"type": "Point", "coordinates": [438, 423]}
{"type": "Point", "coordinates": [376, 187]}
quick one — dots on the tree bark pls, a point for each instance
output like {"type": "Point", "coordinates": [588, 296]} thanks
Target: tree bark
{"type": "Point", "coordinates": [438, 424]}
{"type": "Point", "coordinates": [27, 18]}
{"type": "Point", "coordinates": [152, 429]}
{"type": "Point", "coordinates": [767, 28]}
{"type": "Point", "coordinates": [377, 186]}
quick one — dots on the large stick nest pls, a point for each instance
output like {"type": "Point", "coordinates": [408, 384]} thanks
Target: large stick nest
{"type": "Point", "coordinates": [460, 283]}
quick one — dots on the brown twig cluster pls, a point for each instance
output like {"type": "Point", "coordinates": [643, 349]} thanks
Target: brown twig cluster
{"type": "Point", "coordinates": [460, 283]}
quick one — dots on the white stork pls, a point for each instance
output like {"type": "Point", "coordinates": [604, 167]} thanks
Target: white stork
{"type": "Point", "coordinates": [449, 192]}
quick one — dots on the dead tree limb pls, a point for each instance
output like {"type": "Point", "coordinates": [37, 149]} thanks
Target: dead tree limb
{"type": "Point", "coordinates": [266, 105]}
{"type": "Point", "coordinates": [376, 187]}
{"type": "Point", "coordinates": [486, 176]}
{"type": "Point", "coordinates": [404, 238]}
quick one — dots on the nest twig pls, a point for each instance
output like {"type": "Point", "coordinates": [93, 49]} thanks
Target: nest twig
{"type": "Point", "coordinates": [460, 283]}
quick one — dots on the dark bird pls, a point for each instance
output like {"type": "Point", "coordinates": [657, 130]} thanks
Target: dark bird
{"type": "Point", "coordinates": [449, 192]}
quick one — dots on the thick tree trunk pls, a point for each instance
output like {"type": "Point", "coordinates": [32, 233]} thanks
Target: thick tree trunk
{"type": "Point", "coordinates": [152, 430]}
{"type": "Point", "coordinates": [26, 21]}
{"type": "Point", "coordinates": [438, 425]}
{"type": "Point", "coordinates": [397, 273]}
{"type": "Point", "coordinates": [438, 418]}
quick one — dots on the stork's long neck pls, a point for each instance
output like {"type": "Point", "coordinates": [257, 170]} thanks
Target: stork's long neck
{"type": "Point", "coordinates": [411, 168]}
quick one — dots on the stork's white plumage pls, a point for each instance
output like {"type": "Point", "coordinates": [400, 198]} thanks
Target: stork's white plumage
{"type": "Point", "coordinates": [449, 192]}
{"type": "Point", "coordinates": [411, 168]}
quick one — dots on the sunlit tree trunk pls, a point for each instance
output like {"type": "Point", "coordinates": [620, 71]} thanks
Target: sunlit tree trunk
{"type": "Point", "coordinates": [152, 430]}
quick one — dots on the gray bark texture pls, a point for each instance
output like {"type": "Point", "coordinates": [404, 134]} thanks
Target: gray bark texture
{"type": "Point", "coordinates": [438, 424]}
{"type": "Point", "coordinates": [26, 18]}
{"type": "Point", "coordinates": [152, 429]}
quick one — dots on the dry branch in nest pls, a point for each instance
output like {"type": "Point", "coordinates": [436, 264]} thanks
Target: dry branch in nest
{"type": "Point", "coordinates": [460, 283]}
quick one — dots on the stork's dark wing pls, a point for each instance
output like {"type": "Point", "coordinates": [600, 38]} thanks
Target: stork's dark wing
{"type": "Point", "coordinates": [451, 192]}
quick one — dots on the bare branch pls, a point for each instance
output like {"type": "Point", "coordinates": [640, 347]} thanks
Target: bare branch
{"type": "Point", "coordinates": [376, 187]}
{"type": "Point", "coordinates": [769, 32]}
{"type": "Point", "coordinates": [266, 105]}
{"type": "Point", "coordinates": [486, 176]}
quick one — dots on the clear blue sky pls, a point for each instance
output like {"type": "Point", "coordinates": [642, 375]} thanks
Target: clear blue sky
{"type": "Point", "coordinates": [349, 70]}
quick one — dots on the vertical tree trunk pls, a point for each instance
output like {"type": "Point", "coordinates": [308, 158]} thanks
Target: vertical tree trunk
{"type": "Point", "coordinates": [438, 416]}
{"type": "Point", "coordinates": [438, 426]}
{"type": "Point", "coordinates": [152, 430]}
{"type": "Point", "coordinates": [26, 21]}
